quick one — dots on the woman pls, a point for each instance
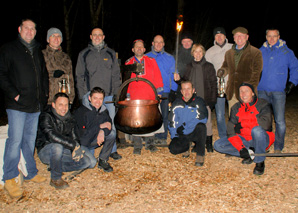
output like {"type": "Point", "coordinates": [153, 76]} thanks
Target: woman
{"type": "Point", "coordinates": [202, 74]}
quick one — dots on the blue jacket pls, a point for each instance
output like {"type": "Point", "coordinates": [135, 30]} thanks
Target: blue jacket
{"type": "Point", "coordinates": [188, 114]}
{"type": "Point", "coordinates": [166, 64]}
{"type": "Point", "coordinates": [276, 62]}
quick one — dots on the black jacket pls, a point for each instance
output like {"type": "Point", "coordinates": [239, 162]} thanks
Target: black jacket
{"type": "Point", "coordinates": [209, 80]}
{"type": "Point", "coordinates": [25, 74]}
{"type": "Point", "coordinates": [88, 120]}
{"type": "Point", "coordinates": [53, 128]}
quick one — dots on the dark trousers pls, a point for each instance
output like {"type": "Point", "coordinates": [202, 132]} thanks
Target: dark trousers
{"type": "Point", "coordinates": [181, 143]}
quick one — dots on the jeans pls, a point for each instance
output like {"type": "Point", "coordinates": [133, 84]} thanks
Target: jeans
{"type": "Point", "coordinates": [60, 160]}
{"type": "Point", "coordinates": [260, 141]}
{"type": "Point", "coordinates": [164, 106]}
{"type": "Point", "coordinates": [112, 112]}
{"type": "Point", "coordinates": [105, 151]}
{"type": "Point", "coordinates": [220, 117]}
{"type": "Point", "coordinates": [22, 130]}
{"type": "Point", "coordinates": [181, 144]}
{"type": "Point", "coordinates": [278, 102]}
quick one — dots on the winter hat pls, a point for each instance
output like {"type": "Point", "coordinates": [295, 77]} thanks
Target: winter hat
{"type": "Point", "coordinates": [219, 30]}
{"type": "Point", "coordinates": [52, 31]}
{"type": "Point", "coordinates": [186, 35]}
{"type": "Point", "coordinates": [249, 85]}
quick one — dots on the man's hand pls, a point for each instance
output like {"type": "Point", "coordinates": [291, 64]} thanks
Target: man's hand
{"type": "Point", "coordinates": [77, 153]}
{"type": "Point", "coordinates": [176, 77]}
{"type": "Point", "coordinates": [289, 87]}
{"type": "Point", "coordinates": [100, 137]}
{"type": "Point", "coordinates": [220, 73]}
{"type": "Point", "coordinates": [180, 130]}
{"type": "Point", "coordinates": [107, 125]}
{"type": "Point", "coordinates": [17, 98]}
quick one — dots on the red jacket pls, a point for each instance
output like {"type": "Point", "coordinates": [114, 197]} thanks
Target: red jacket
{"type": "Point", "coordinates": [256, 113]}
{"type": "Point", "coordinates": [141, 90]}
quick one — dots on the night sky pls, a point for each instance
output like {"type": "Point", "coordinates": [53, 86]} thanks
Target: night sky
{"type": "Point", "coordinates": [125, 21]}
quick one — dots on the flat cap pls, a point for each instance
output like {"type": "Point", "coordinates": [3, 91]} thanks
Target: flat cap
{"type": "Point", "coordinates": [240, 30]}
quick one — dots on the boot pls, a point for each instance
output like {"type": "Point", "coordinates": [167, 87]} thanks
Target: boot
{"type": "Point", "coordinates": [209, 146]}
{"type": "Point", "coordinates": [13, 188]}
{"type": "Point", "coordinates": [59, 184]}
{"type": "Point", "coordinates": [259, 169]}
{"type": "Point", "coordinates": [199, 161]}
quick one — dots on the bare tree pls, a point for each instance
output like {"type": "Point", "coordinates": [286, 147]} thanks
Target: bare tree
{"type": "Point", "coordinates": [95, 8]}
{"type": "Point", "coordinates": [68, 7]}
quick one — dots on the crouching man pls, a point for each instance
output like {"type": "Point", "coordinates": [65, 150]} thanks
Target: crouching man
{"type": "Point", "coordinates": [95, 127]}
{"type": "Point", "coordinates": [249, 126]}
{"type": "Point", "coordinates": [57, 143]}
{"type": "Point", "coordinates": [187, 119]}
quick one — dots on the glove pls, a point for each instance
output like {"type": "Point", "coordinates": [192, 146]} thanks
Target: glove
{"type": "Point", "coordinates": [244, 153]}
{"type": "Point", "coordinates": [58, 73]}
{"type": "Point", "coordinates": [220, 73]}
{"type": "Point", "coordinates": [77, 153]}
{"type": "Point", "coordinates": [180, 130]}
{"type": "Point", "coordinates": [172, 96]}
{"type": "Point", "coordinates": [238, 128]}
{"type": "Point", "coordinates": [289, 87]}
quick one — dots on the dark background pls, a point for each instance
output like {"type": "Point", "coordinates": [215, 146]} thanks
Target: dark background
{"type": "Point", "coordinates": [125, 21]}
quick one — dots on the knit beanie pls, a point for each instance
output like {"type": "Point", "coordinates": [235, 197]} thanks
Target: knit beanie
{"type": "Point", "coordinates": [249, 85]}
{"type": "Point", "coordinates": [52, 31]}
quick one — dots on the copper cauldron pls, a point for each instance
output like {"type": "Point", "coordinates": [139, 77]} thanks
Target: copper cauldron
{"type": "Point", "coordinates": [137, 116]}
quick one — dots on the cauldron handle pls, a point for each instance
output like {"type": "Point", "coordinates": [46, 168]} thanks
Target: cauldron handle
{"type": "Point", "coordinates": [135, 79]}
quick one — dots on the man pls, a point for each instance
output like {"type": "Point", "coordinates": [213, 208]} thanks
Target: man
{"type": "Point", "coordinates": [24, 81]}
{"type": "Point", "coordinates": [166, 64]}
{"type": "Point", "coordinates": [95, 127]}
{"type": "Point", "coordinates": [143, 91]}
{"type": "Point", "coordinates": [215, 55]}
{"type": "Point", "coordinates": [184, 53]}
{"type": "Point", "coordinates": [243, 63]}
{"type": "Point", "coordinates": [249, 126]}
{"type": "Point", "coordinates": [57, 143]}
{"type": "Point", "coordinates": [187, 119]}
{"type": "Point", "coordinates": [59, 66]}
{"type": "Point", "coordinates": [97, 66]}
{"type": "Point", "coordinates": [273, 86]}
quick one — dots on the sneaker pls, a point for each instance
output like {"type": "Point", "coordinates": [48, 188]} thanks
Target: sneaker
{"type": "Point", "coordinates": [137, 151]}
{"type": "Point", "coordinates": [259, 169]}
{"type": "Point", "coordinates": [37, 179]}
{"type": "Point", "coordinates": [115, 156]}
{"type": "Point", "coordinates": [13, 188]}
{"type": "Point", "coordinates": [277, 151]}
{"type": "Point", "coordinates": [103, 164]}
{"type": "Point", "coordinates": [185, 154]}
{"type": "Point", "coordinates": [59, 184]}
{"type": "Point", "coordinates": [151, 148]}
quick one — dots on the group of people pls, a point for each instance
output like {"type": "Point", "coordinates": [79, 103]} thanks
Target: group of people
{"type": "Point", "coordinates": [39, 90]}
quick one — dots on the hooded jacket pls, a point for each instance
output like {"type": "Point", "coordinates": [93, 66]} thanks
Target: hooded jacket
{"type": "Point", "coordinates": [97, 68]}
{"type": "Point", "coordinates": [88, 120]}
{"type": "Point", "coordinates": [188, 114]}
{"type": "Point", "coordinates": [141, 90]}
{"type": "Point", "coordinates": [216, 54]}
{"type": "Point", "coordinates": [277, 60]}
{"type": "Point", "coordinates": [166, 64]}
{"type": "Point", "coordinates": [256, 113]}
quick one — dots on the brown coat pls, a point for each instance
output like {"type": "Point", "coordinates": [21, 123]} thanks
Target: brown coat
{"type": "Point", "coordinates": [58, 60]}
{"type": "Point", "coordinates": [248, 70]}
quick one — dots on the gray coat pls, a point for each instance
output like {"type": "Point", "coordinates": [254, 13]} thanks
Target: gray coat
{"type": "Point", "coordinates": [97, 68]}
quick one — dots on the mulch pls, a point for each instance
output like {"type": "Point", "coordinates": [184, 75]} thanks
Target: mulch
{"type": "Point", "coordinates": [162, 182]}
